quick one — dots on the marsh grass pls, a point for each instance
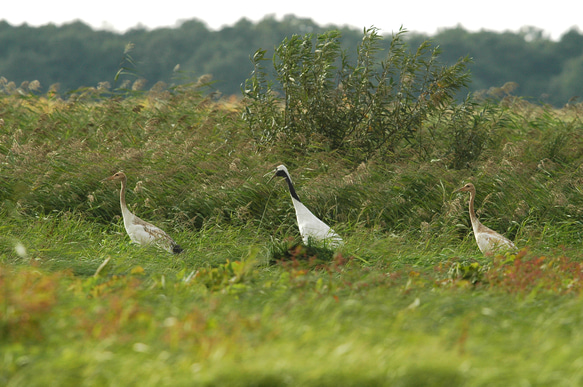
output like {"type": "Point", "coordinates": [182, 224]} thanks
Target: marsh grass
{"type": "Point", "coordinates": [407, 300]}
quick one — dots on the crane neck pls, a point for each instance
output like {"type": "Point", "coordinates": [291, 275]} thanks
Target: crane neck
{"type": "Point", "coordinates": [292, 190]}
{"type": "Point", "coordinates": [122, 198]}
{"type": "Point", "coordinates": [473, 217]}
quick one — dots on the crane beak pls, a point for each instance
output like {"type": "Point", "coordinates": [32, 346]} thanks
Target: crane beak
{"type": "Point", "coordinates": [272, 176]}
{"type": "Point", "coordinates": [107, 179]}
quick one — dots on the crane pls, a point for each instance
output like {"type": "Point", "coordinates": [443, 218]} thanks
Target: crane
{"type": "Point", "coordinates": [140, 231]}
{"type": "Point", "coordinates": [311, 228]}
{"type": "Point", "coordinates": [489, 241]}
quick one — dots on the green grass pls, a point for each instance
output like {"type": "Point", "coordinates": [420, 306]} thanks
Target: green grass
{"type": "Point", "coordinates": [407, 301]}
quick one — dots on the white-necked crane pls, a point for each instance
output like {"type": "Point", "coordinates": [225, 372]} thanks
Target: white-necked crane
{"type": "Point", "coordinates": [311, 228]}
{"type": "Point", "coordinates": [140, 231]}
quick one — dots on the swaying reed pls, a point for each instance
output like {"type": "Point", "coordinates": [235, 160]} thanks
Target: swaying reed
{"type": "Point", "coordinates": [408, 300]}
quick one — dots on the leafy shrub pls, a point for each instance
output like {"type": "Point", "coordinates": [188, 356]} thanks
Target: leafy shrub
{"type": "Point", "coordinates": [368, 106]}
{"type": "Point", "coordinates": [463, 131]}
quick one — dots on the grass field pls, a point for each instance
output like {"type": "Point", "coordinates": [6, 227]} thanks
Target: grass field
{"type": "Point", "coordinates": [408, 300]}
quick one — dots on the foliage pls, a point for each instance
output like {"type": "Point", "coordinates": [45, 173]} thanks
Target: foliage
{"type": "Point", "coordinates": [73, 56]}
{"type": "Point", "coordinates": [26, 299]}
{"type": "Point", "coordinates": [465, 130]}
{"type": "Point", "coordinates": [297, 252]}
{"type": "Point", "coordinates": [368, 107]}
{"type": "Point", "coordinates": [407, 300]}
{"type": "Point", "coordinates": [263, 112]}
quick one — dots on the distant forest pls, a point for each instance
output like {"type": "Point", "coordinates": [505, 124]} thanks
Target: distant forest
{"type": "Point", "coordinates": [76, 56]}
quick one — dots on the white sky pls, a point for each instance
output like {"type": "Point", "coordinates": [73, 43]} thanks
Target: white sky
{"type": "Point", "coordinates": [555, 18]}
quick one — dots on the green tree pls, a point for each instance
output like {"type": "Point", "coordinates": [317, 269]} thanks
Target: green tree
{"type": "Point", "coordinates": [367, 108]}
{"type": "Point", "coordinates": [568, 85]}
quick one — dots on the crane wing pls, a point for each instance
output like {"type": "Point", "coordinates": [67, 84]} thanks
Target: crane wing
{"type": "Point", "coordinates": [491, 241]}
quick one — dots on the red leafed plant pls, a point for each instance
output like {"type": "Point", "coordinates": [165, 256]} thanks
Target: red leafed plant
{"type": "Point", "coordinates": [520, 274]}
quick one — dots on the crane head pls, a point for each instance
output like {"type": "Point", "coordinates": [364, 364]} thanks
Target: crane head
{"type": "Point", "coordinates": [280, 171]}
{"type": "Point", "coordinates": [118, 176]}
{"type": "Point", "coordinates": [468, 187]}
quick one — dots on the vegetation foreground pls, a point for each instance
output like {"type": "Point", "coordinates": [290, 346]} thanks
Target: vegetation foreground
{"type": "Point", "coordinates": [408, 300]}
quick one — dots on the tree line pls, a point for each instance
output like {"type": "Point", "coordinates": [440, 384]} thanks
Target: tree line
{"type": "Point", "coordinates": [75, 56]}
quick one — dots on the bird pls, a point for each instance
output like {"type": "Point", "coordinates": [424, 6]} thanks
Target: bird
{"type": "Point", "coordinates": [140, 231]}
{"type": "Point", "coordinates": [489, 241]}
{"type": "Point", "coordinates": [311, 228]}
